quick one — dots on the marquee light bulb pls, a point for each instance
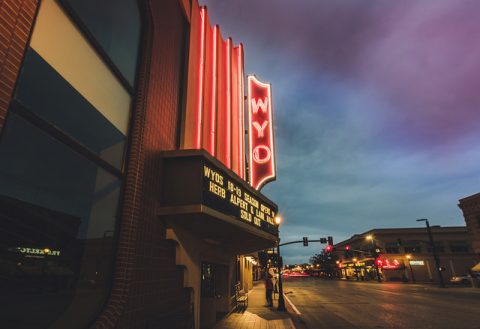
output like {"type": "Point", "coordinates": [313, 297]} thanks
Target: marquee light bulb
{"type": "Point", "coordinates": [278, 220]}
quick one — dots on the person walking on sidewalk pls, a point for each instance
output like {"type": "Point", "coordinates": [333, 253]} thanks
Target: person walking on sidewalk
{"type": "Point", "coordinates": [268, 288]}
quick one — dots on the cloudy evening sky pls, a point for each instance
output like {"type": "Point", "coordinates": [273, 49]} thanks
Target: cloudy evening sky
{"type": "Point", "coordinates": [376, 109]}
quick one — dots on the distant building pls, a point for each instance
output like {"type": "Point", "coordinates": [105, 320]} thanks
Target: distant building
{"type": "Point", "coordinates": [471, 211]}
{"type": "Point", "coordinates": [402, 252]}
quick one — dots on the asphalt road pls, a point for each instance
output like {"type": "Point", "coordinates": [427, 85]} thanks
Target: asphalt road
{"type": "Point", "coordinates": [337, 304]}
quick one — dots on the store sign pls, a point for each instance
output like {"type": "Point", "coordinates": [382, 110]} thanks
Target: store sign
{"type": "Point", "coordinates": [351, 265]}
{"type": "Point", "coordinates": [225, 194]}
{"type": "Point", "coordinates": [195, 178]}
{"type": "Point", "coordinates": [260, 127]}
{"type": "Point", "coordinates": [34, 252]}
{"type": "Point", "coordinates": [389, 264]}
{"type": "Point", "coordinates": [417, 262]}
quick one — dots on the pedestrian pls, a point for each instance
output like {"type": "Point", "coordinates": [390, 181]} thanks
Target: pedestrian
{"type": "Point", "coordinates": [268, 289]}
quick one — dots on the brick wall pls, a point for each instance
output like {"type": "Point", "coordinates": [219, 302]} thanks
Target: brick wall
{"type": "Point", "coordinates": [16, 19]}
{"type": "Point", "coordinates": [470, 207]}
{"type": "Point", "coordinates": [148, 287]}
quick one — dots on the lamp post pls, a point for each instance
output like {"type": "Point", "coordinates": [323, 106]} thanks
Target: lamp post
{"type": "Point", "coordinates": [411, 269]}
{"type": "Point", "coordinates": [434, 250]}
{"type": "Point", "coordinates": [281, 300]}
{"type": "Point", "coordinates": [375, 266]}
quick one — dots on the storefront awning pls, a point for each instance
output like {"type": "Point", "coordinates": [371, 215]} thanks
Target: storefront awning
{"type": "Point", "coordinates": [476, 268]}
{"type": "Point", "coordinates": [202, 196]}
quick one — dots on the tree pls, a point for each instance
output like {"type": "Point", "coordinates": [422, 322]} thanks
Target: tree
{"type": "Point", "coordinates": [326, 263]}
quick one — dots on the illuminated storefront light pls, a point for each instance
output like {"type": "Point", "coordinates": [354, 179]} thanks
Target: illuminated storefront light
{"type": "Point", "coordinates": [388, 264]}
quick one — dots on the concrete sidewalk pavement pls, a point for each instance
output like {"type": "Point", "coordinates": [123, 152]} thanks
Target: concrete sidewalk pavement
{"type": "Point", "coordinates": [257, 315]}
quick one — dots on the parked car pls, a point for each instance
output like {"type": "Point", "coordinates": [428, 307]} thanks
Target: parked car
{"type": "Point", "coordinates": [461, 279]}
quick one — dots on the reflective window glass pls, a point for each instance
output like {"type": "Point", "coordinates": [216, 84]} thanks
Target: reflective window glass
{"type": "Point", "coordinates": [60, 43]}
{"type": "Point", "coordinates": [115, 24]}
{"type": "Point", "coordinates": [42, 90]}
{"type": "Point", "coordinates": [57, 216]}
{"type": "Point", "coordinates": [208, 280]}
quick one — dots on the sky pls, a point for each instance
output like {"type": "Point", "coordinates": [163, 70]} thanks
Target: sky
{"type": "Point", "coordinates": [376, 108]}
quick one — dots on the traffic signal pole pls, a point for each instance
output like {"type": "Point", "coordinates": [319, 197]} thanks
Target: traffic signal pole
{"type": "Point", "coordinates": [281, 300]}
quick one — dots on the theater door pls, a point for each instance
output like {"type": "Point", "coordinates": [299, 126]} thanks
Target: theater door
{"type": "Point", "coordinates": [214, 293]}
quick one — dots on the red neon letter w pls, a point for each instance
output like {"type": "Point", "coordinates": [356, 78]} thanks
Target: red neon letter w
{"type": "Point", "coordinates": [259, 104]}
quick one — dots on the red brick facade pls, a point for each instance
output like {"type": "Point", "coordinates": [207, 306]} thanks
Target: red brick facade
{"type": "Point", "coordinates": [16, 19]}
{"type": "Point", "coordinates": [470, 207]}
{"type": "Point", "coordinates": [148, 286]}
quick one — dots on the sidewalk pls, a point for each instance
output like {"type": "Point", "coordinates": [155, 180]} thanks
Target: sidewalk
{"type": "Point", "coordinates": [257, 316]}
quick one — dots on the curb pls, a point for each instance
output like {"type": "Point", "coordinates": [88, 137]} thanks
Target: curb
{"type": "Point", "coordinates": [295, 315]}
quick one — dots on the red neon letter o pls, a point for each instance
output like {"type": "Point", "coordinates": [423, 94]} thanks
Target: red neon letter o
{"type": "Point", "coordinates": [256, 154]}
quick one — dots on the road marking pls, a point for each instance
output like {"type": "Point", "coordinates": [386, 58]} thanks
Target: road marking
{"type": "Point", "coordinates": [293, 306]}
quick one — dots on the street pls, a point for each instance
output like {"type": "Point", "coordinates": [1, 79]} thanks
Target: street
{"type": "Point", "coordinates": [338, 304]}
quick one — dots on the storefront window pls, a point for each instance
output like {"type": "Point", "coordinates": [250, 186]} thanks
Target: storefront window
{"type": "Point", "coordinates": [58, 214]}
{"type": "Point", "coordinates": [42, 90]}
{"type": "Point", "coordinates": [61, 172]}
{"type": "Point", "coordinates": [115, 24]}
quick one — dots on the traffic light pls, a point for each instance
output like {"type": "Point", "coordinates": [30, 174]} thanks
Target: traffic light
{"type": "Point", "coordinates": [323, 240]}
{"type": "Point", "coordinates": [330, 240]}
{"type": "Point", "coordinates": [329, 248]}
{"type": "Point", "coordinates": [347, 251]}
{"type": "Point", "coordinates": [305, 241]}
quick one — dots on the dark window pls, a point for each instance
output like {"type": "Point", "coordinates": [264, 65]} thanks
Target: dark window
{"type": "Point", "coordinates": [115, 24]}
{"type": "Point", "coordinates": [208, 280]}
{"type": "Point", "coordinates": [43, 91]}
{"type": "Point", "coordinates": [391, 250]}
{"type": "Point", "coordinates": [459, 246]}
{"type": "Point", "coordinates": [439, 247]}
{"type": "Point", "coordinates": [412, 247]}
{"type": "Point", "coordinates": [413, 250]}
{"type": "Point", "coordinates": [391, 247]}
{"type": "Point", "coordinates": [57, 217]}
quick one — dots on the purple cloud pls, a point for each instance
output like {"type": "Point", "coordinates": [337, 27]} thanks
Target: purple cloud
{"type": "Point", "coordinates": [376, 108]}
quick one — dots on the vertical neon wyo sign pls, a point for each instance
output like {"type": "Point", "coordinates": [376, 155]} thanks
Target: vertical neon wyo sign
{"type": "Point", "coordinates": [260, 128]}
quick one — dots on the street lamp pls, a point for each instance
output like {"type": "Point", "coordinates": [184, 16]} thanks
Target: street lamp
{"type": "Point", "coordinates": [375, 266]}
{"type": "Point", "coordinates": [434, 250]}
{"type": "Point", "coordinates": [411, 269]}
{"type": "Point", "coordinates": [281, 300]}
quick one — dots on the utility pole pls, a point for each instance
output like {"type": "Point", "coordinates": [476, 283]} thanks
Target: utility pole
{"type": "Point", "coordinates": [281, 300]}
{"type": "Point", "coordinates": [375, 255]}
{"type": "Point", "coordinates": [411, 269]}
{"type": "Point", "coordinates": [434, 251]}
